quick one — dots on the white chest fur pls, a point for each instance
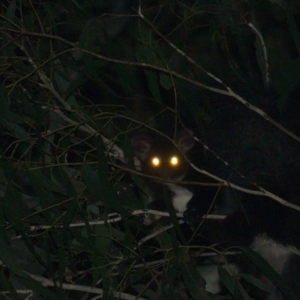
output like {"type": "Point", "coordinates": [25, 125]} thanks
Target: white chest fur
{"type": "Point", "coordinates": [181, 197]}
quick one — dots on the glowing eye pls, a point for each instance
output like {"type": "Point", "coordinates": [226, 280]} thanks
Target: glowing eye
{"type": "Point", "coordinates": [174, 161]}
{"type": "Point", "coordinates": [155, 161]}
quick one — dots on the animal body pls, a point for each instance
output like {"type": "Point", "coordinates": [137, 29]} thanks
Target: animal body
{"type": "Point", "coordinates": [257, 155]}
{"type": "Point", "coordinates": [160, 158]}
{"type": "Point", "coordinates": [165, 160]}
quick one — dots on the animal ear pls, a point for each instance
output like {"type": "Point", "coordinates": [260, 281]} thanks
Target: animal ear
{"type": "Point", "coordinates": [185, 140]}
{"type": "Point", "coordinates": [141, 145]}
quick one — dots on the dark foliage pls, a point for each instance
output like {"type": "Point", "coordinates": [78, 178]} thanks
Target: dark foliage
{"type": "Point", "coordinates": [78, 80]}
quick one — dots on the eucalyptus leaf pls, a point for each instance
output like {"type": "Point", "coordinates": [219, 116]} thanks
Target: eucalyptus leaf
{"type": "Point", "coordinates": [264, 266]}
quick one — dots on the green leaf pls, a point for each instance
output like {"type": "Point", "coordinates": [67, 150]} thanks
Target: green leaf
{"type": "Point", "coordinates": [293, 29]}
{"type": "Point", "coordinates": [11, 10]}
{"type": "Point", "coordinates": [42, 184]}
{"type": "Point", "coordinates": [92, 180]}
{"type": "Point", "coordinates": [103, 238]}
{"type": "Point", "coordinates": [152, 82]}
{"type": "Point", "coordinates": [264, 266]}
{"type": "Point", "coordinates": [232, 284]}
{"type": "Point", "coordinates": [255, 282]}
{"type": "Point", "coordinates": [194, 282]}
{"type": "Point", "coordinates": [165, 81]}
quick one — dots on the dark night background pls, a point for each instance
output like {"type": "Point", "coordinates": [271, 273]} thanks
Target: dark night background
{"type": "Point", "coordinates": [78, 80]}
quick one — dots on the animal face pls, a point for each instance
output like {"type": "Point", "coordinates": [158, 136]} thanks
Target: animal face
{"type": "Point", "coordinates": [160, 157]}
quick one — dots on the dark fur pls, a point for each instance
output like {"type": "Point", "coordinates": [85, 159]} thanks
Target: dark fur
{"type": "Point", "coordinates": [266, 157]}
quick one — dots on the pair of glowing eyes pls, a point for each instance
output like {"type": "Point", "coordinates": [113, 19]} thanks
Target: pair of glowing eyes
{"type": "Point", "coordinates": [174, 161]}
